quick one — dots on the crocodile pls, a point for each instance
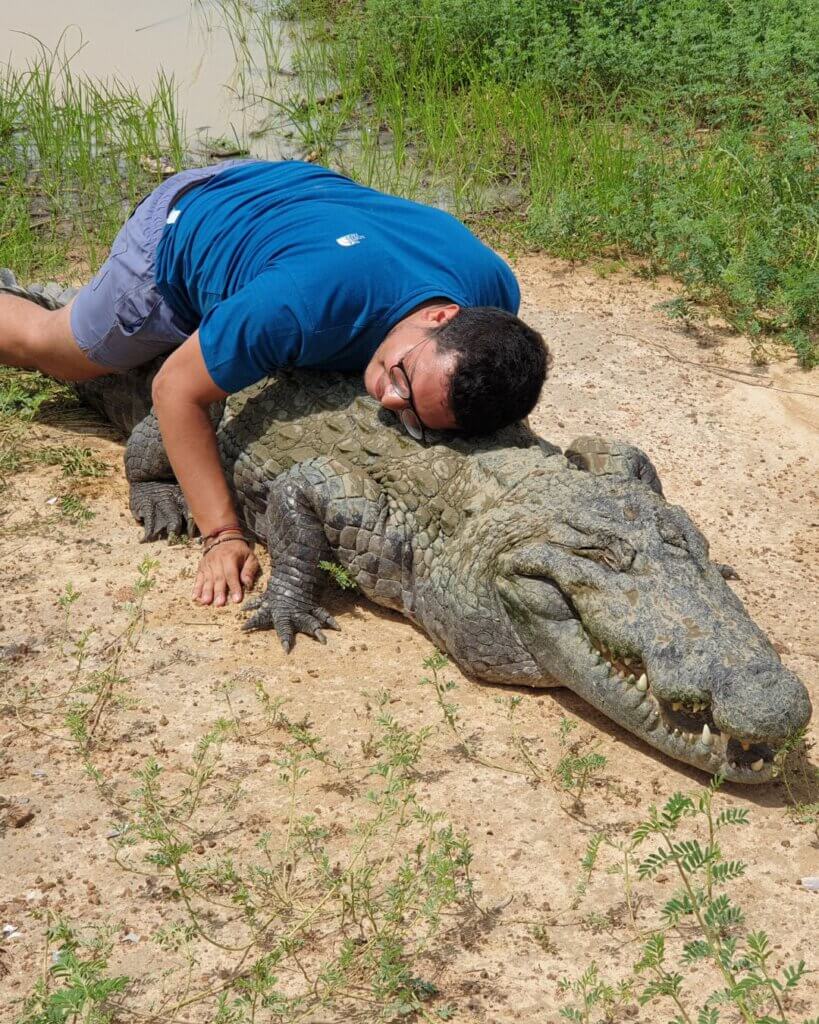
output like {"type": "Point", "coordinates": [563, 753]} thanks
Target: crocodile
{"type": "Point", "coordinates": [527, 565]}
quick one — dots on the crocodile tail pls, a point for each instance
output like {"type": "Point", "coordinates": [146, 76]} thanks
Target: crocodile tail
{"type": "Point", "coordinates": [50, 296]}
{"type": "Point", "coordinates": [122, 398]}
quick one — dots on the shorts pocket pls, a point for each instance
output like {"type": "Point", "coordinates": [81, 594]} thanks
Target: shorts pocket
{"type": "Point", "coordinates": [136, 308]}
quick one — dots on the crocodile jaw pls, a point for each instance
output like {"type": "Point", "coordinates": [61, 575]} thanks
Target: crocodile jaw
{"type": "Point", "coordinates": [706, 748]}
{"type": "Point", "coordinates": [626, 698]}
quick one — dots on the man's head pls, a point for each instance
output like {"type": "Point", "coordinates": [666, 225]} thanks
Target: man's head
{"type": "Point", "coordinates": [472, 369]}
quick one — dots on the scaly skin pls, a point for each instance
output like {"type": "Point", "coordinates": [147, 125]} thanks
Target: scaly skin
{"type": "Point", "coordinates": [525, 565]}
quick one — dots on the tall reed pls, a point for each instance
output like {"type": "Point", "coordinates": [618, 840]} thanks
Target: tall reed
{"type": "Point", "coordinates": [76, 154]}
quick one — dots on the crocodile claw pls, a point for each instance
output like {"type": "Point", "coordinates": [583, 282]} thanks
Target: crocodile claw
{"type": "Point", "coordinates": [162, 510]}
{"type": "Point", "coordinates": [288, 620]}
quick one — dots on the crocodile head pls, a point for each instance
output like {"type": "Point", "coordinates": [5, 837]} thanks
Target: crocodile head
{"type": "Point", "coordinates": [596, 583]}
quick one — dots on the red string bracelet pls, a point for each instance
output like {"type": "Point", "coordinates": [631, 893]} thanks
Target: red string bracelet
{"type": "Point", "coordinates": [227, 539]}
{"type": "Point", "coordinates": [222, 529]}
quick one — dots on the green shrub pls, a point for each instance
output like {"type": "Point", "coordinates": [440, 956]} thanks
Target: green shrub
{"type": "Point", "coordinates": [711, 56]}
{"type": "Point", "coordinates": [677, 130]}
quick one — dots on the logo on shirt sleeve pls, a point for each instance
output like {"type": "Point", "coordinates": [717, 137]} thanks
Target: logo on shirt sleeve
{"type": "Point", "coordinates": [352, 239]}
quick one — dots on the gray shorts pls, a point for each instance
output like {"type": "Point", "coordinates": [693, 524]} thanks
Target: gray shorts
{"type": "Point", "coordinates": [120, 320]}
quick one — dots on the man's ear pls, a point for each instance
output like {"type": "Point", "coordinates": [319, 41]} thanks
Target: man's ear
{"type": "Point", "coordinates": [441, 315]}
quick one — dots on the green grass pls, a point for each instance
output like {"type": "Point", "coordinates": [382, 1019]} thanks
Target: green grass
{"type": "Point", "coordinates": [680, 133]}
{"type": "Point", "coordinates": [74, 460]}
{"type": "Point", "coordinates": [24, 397]}
{"type": "Point", "coordinates": [74, 154]}
{"type": "Point", "coordinates": [73, 159]}
{"type": "Point", "coordinates": [25, 393]}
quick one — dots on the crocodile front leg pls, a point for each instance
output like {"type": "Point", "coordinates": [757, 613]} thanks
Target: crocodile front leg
{"type": "Point", "coordinates": [324, 509]}
{"type": "Point", "coordinates": [156, 498]}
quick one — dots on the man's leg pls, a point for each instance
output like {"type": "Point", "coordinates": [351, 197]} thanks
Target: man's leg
{"type": "Point", "coordinates": [41, 339]}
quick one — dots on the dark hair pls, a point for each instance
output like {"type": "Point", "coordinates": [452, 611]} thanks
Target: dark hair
{"type": "Point", "coordinates": [500, 370]}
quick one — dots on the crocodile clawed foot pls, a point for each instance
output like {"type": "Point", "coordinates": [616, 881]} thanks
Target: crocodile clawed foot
{"type": "Point", "coordinates": [162, 510]}
{"type": "Point", "coordinates": [288, 620]}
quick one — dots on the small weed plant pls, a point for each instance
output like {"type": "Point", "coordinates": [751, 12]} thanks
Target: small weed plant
{"type": "Point", "coordinates": [75, 987]}
{"type": "Point", "coordinates": [93, 670]}
{"type": "Point", "coordinates": [97, 692]}
{"type": "Point", "coordinates": [74, 509]}
{"type": "Point", "coordinates": [698, 960]}
{"type": "Point", "coordinates": [73, 460]}
{"type": "Point", "coordinates": [578, 765]}
{"type": "Point", "coordinates": [800, 778]}
{"type": "Point", "coordinates": [320, 915]}
{"type": "Point", "coordinates": [339, 575]}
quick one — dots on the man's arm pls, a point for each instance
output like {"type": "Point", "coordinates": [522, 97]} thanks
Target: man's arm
{"type": "Point", "coordinates": [182, 391]}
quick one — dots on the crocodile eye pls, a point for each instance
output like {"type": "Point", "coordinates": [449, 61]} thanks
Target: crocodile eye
{"type": "Point", "coordinates": [671, 535]}
{"type": "Point", "coordinates": [616, 554]}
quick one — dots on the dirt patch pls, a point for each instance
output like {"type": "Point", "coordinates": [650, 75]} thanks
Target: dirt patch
{"type": "Point", "coordinates": [735, 443]}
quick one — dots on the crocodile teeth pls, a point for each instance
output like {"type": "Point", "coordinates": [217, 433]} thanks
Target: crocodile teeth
{"type": "Point", "coordinates": [757, 766]}
{"type": "Point", "coordinates": [707, 738]}
{"type": "Point", "coordinates": [631, 679]}
{"type": "Point", "coordinates": [745, 745]}
{"type": "Point", "coordinates": [676, 706]}
{"type": "Point", "coordinates": [642, 683]}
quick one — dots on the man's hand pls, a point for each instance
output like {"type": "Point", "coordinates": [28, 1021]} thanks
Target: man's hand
{"type": "Point", "coordinates": [228, 568]}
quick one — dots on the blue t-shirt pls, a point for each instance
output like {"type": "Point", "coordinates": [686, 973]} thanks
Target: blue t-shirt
{"type": "Point", "coordinates": [289, 264]}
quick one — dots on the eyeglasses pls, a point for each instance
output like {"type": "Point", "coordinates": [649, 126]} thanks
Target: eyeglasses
{"type": "Point", "coordinates": [399, 378]}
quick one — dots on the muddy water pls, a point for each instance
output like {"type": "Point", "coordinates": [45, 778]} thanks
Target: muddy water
{"type": "Point", "coordinates": [218, 88]}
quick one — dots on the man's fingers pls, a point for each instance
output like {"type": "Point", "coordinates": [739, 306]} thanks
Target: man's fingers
{"type": "Point", "coordinates": [250, 570]}
{"type": "Point", "coordinates": [223, 575]}
{"type": "Point", "coordinates": [232, 578]}
{"type": "Point", "coordinates": [206, 592]}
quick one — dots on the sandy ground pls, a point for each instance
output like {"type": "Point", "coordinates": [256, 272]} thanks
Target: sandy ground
{"type": "Point", "coordinates": [734, 443]}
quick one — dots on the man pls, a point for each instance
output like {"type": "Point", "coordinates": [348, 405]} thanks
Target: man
{"type": "Point", "coordinates": [248, 266]}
